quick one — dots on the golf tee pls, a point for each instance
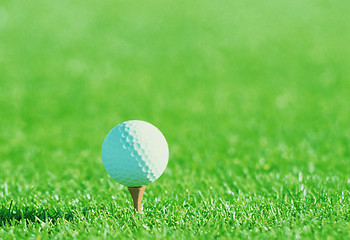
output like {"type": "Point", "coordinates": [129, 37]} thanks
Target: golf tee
{"type": "Point", "coordinates": [136, 194]}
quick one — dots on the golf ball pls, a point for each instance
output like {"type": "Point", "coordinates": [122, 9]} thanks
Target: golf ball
{"type": "Point", "coordinates": [135, 153]}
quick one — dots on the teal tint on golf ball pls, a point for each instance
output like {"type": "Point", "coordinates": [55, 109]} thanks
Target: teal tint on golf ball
{"type": "Point", "coordinates": [135, 153]}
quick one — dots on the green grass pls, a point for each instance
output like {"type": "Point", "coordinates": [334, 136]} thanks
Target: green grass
{"type": "Point", "coordinates": [253, 99]}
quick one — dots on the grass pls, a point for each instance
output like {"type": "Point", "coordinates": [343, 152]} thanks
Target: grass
{"type": "Point", "coordinates": [253, 99]}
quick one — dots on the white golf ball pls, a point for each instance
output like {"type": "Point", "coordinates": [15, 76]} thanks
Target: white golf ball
{"type": "Point", "coordinates": [135, 153]}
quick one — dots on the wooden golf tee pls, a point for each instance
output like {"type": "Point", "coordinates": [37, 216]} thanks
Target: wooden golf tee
{"type": "Point", "coordinates": [136, 194]}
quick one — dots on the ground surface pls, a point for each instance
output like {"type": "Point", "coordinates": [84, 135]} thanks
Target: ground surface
{"type": "Point", "coordinates": [253, 98]}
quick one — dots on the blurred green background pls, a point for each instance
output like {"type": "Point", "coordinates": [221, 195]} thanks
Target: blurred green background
{"type": "Point", "coordinates": [253, 98]}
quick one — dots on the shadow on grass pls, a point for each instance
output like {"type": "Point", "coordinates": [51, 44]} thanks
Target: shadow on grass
{"type": "Point", "coordinates": [14, 216]}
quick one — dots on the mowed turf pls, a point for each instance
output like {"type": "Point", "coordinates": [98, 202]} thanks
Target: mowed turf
{"type": "Point", "coordinates": [253, 98]}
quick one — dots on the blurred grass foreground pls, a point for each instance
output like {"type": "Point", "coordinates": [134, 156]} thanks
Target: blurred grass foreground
{"type": "Point", "coordinates": [253, 98]}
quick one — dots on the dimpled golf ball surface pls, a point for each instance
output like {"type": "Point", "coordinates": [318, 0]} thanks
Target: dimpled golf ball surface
{"type": "Point", "coordinates": [135, 153]}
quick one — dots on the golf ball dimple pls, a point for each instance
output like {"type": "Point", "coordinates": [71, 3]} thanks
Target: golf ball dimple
{"type": "Point", "coordinates": [135, 153]}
